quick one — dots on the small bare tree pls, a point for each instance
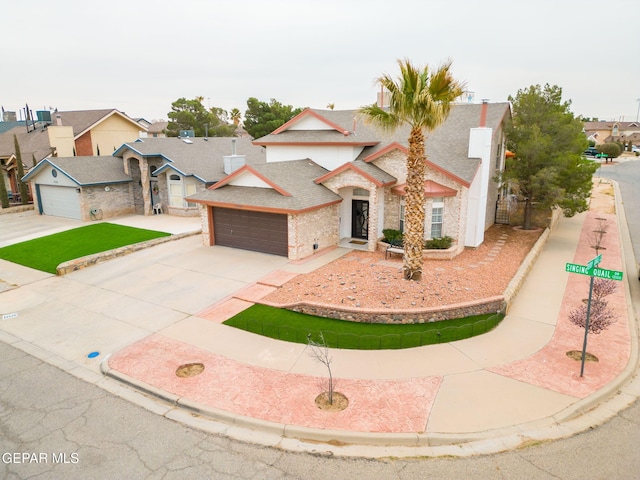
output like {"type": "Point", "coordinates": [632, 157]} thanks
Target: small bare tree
{"type": "Point", "coordinates": [598, 234]}
{"type": "Point", "coordinates": [320, 352]}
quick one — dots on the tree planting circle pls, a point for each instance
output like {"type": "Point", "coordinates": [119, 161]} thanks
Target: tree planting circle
{"type": "Point", "coordinates": [340, 402]}
{"type": "Point", "coordinates": [190, 370]}
{"type": "Point", "coordinates": [577, 355]}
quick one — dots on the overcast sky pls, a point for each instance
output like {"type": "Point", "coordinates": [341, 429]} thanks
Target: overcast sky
{"type": "Point", "coordinates": [139, 57]}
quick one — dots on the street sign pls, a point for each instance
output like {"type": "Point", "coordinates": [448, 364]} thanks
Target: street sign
{"type": "Point", "coordinates": [575, 268]}
{"type": "Point", "coordinates": [609, 274]}
{"type": "Point", "coordinates": [593, 271]}
{"type": "Point", "coordinates": [594, 261]}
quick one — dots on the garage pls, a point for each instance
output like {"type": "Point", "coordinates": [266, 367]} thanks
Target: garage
{"type": "Point", "coordinates": [250, 230]}
{"type": "Point", "coordinates": [59, 201]}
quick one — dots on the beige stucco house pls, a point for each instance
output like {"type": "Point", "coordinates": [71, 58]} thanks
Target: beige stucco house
{"type": "Point", "coordinates": [604, 132]}
{"type": "Point", "coordinates": [79, 133]}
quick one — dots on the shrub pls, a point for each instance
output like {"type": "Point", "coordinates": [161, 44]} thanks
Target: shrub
{"type": "Point", "coordinates": [441, 243]}
{"type": "Point", "coordinates": [392, 237]}
{"type": "Point", "coordinates": [612, 150]}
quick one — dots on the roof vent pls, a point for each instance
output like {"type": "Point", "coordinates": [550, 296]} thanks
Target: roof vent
{"type": "Point", "coordinates": [187, 140]}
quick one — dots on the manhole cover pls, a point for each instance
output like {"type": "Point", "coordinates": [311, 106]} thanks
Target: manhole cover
{"type": "Point", "coordinates": [577, 355]}
{"type": "Point", "coordinates": [189, 370]}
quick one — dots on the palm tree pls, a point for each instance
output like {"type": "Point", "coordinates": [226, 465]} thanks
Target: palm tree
{"type": "Point", "coordinates": [420, 98]}
{"type": "Point", "coordinates": [235, 116]}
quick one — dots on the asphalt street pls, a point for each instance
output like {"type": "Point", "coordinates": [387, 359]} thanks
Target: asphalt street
{"type": "Point", "coordinates": [78, 431]}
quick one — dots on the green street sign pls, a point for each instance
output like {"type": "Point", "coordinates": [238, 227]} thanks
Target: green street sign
{"type": "Point", "coordinates": [609, 274]}
{"type": "Point", "coordinates": [594, 261]}
{"type": "Point", "coordinates": [593, 271]}
{"type": "Point", "coordinates": [575, 268]}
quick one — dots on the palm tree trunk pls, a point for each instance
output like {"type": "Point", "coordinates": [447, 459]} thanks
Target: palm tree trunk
{"type": "Point", "coordinates": [414, 207]}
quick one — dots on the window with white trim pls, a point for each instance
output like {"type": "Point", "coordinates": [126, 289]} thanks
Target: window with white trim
{"type": "Point", "coordinates": [401, 226]}
{"type": "Point", "coordinates": [179, 188]}
{"type": "Point", "coordinates": [437, 216]}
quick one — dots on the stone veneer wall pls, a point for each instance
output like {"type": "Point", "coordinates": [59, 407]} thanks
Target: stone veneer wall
{"type": "Point", "coordinates": [118, 200]}
{"type": "Point", "coordinates": [306, 229]}
{"type": "Point", "coordinates": [207, 235]}
{"type": "Point", "coordinates": [416, 315]}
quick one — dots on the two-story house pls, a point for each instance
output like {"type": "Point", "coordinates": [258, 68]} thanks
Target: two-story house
{"type": "Point", "coordinates": [332, 179]}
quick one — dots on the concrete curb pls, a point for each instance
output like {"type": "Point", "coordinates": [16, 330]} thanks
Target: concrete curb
{"type": "Point", "coordinates": [94, 259]}
{"type": "Point", "coordinates": [16, 209]}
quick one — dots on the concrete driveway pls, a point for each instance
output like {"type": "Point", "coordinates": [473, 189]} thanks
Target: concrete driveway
{"type": "Point", "coordinates": [21, 226]}
{"type": "Point", "coordinates": [110, 305]}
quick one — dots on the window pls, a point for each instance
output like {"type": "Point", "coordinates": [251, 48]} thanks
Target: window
{"type": "Point", "coordinates": [190, 189]}
{"type": "Point", "coordinates": [437, 215]}
{"type": "Point", "coordinates": [401, 227]}
{"type": "Point", "coordinates": [178, 189]}
{"type": "Point", "coordinates": [360, 192]}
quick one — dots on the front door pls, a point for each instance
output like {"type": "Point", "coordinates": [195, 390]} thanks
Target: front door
{"type": "Point", "coordinates": [360, 219]}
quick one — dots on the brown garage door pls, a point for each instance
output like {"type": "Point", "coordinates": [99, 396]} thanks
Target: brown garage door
{"type": "Point", "coordinates": [257, 231]}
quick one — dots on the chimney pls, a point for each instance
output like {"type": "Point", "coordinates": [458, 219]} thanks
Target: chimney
{"type": "Point", "coordinates": [58, 120]}
{"type": "Point", "coordinates": [483, 113]}
{"type": "Point", "coordinates": [383, 98]}
{"type": "Point", "coordinates": [234, 161]}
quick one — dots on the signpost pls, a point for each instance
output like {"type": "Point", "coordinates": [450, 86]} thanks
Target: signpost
{"type": "Point", "coordinates": [591, 270]}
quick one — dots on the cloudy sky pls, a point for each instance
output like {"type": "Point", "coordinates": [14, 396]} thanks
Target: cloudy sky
{"type": "Point", "coordinates": [139, 57]}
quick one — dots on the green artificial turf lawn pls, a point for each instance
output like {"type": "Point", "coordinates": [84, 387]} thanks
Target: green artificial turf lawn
{"type": "Point", "coordinates": [292, 326]}
{"type": "Point", "coordinates": [46, 253]}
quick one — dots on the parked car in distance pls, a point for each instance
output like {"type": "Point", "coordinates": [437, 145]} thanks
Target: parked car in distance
{"type": "Point", "coordinates": [591, 152]}
{"type": "Point", "coordinates": [635, 149]}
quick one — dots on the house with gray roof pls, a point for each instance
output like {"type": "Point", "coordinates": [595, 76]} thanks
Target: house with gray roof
{"type": "Point", "coordinates": [167, 170]}
{"type": "Point", "coordinates": [75, 187]}
{"type": "Point", "coordinates": [146, 176]}
{"type": "Point", "coordinates": [331, 179]}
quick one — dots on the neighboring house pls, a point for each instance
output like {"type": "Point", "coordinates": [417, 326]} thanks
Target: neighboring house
{"type": "Point", "coordinates": [141, 175]}
{"type": "Point", "coordinates": [166, 170]}
{"type": "Point", "coordinates": [332, 179]}
{"type": "Point", "coordinates": [96, 132]}
{"type": "Point", "coordinates": [157, 129]}
{"type": "Point", "coordinates": [74, 187]}
{"type": "Point", "coordinates": [605, 132]}
{"type": "Point", "coordinates": [73, 133]}
{"type": "Point", "coordinates": [34, 144]}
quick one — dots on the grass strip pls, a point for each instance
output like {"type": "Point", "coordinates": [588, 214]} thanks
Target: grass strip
{"type": "Point", "coordinates": [290, 326]}
{"type": "Point", "coordinates": [46, 253]}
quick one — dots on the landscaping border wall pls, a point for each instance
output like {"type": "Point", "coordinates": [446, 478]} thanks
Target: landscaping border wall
{"type": "Point", "coordinates": [497, 304]}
